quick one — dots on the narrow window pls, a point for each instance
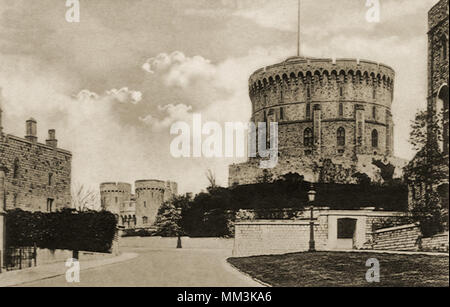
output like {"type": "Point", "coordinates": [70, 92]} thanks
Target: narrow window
{"type": "Point", "coordinates": [282, 113]}
{"type": "Point", "coordinates": [145, 204]}
{"type": "Point", "coordinates": [341, 91]}
{"type": "Point", "coordinates": [374, 112]}
{"type": "Point", "coordinates": [16, 169]}
{"type": "Point", "coordinates": [341, 136]}
{"type": "Point", "coordinates": [49, 205]}
{"type": "Point", "coordinates": [308, 137]}
{"type": "Point", "coordinates": [374, 92]}
{"type": "Point", "coordinates": [308, 92]}
{"type": "Point", "coordinates": [308, 111]}
{"type": "Point", "coordinates": [144, 220]}
{"type": "Point", "coordinates": [50, 179]}
{"type": "Point", "coordinates": [444, 48]}
{"type": "Point", "coordinates": [341, 110]}
{"type": "Point", "coordinates": [374, 138]}
{"type": "Point", "coordinates": [117, 200]}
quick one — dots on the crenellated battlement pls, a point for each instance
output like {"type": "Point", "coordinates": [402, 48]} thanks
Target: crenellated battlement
{"type": "Point", "coordinates": [115, 187]}
{"type": "Point", "coordinates": [299, 70]}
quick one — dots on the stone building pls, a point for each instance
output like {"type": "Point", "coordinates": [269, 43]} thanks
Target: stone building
{"type": "Point", "coordinates": [437, 105]}
{"type": "Point", "coordinates": [327, 110]}
{"type": "Point", "coordinates": [37, 176]}
{"type": "Point", "coordinates": [137, 210]}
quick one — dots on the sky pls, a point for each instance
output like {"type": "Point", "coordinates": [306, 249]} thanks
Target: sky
{"type": "Point", "coordinates": [113, 84]}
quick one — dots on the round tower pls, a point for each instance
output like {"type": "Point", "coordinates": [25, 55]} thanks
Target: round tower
{"type": "Point", "coordinates": [114, 195]}
{"type": "Point", "coordinates": [325, 107]}
{"type": "Point", "coordinates": [149, 197]}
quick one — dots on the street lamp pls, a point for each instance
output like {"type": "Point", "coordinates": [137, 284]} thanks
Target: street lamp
{"type": "Point", "coordinates": [312, 197]}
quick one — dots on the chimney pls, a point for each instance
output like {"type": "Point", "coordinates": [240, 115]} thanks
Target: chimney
{"type": "Point", "coordinates": [31, 130]}
{"type": "Point", "coordinates": [1, 127]}
{"type": "Point", "coordinates": [52, 141]}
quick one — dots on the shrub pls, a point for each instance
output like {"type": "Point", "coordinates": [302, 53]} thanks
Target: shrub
{"type": "Point", "coordinates": [68, 229]}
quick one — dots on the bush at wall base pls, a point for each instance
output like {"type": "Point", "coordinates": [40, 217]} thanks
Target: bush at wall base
{"type": "Point", "coordinates": [67, 229]}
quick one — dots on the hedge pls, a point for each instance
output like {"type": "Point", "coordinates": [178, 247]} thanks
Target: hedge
{"type": "Point", "coordinates": [67, 229]}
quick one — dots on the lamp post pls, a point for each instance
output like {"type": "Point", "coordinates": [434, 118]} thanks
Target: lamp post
{"type": "Point", "coordinates": [312, 197]}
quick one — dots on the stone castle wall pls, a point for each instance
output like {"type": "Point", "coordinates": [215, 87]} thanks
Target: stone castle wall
{"type": "Point", "coordinates": [37, 176]}
{"type": "Point", "coordinates": [276, 237]}
{"type": "Point", "coordinates": [406, 238]}
{"type": "Point", "coordinates": [438, 39]}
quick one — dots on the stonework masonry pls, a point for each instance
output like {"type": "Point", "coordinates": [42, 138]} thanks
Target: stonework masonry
{"type": "Point", "coordinates": [37, 176]}
{"type": "Point", "coordinates": [406, 238]}
{"type": "Point", "coordinates": [137, 210]}
{"type": "Point", "coordinates": [337, 110]}
{"type": "Point", "coordinates": [333, 230]}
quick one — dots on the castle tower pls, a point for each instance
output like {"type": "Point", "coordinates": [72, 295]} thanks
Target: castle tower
{"type": "Point", "coordinates": [326, 108]}
{"type": "Point", "coordinates": [149, 197]}
{"type": "Point", "coordinates": [170, 190]}
{"type": "Point", "coordinates": [438, 59]}
{"type": "Point", "coordinates": [338, 110]}
{"type": "Point", "coordinates": [114, 196]}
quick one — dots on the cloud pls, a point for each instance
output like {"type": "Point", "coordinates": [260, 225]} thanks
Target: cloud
{"type": "Point", "coordinates": [173, 113]}
{"type": "Point", "coordinates": [124, 95]}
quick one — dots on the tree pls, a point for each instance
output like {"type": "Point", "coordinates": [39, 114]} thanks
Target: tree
{"type": "Point", "coordinates": [169, 221]}
{"type": "Point", "coordinates": [84, 199]}
{"type": "Point", "coordinates": [429, 169]}
{"type": "Point", "coordinates": [211, 176]}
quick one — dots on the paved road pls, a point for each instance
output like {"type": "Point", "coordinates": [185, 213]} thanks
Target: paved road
{"type": "Point", "coordinates": [165, 267]}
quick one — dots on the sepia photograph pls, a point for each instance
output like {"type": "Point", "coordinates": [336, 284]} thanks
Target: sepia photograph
{"type": "Point", "coordinates": [223, 149]}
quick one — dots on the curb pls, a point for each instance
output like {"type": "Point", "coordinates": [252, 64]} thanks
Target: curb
{"type": "Point", "coordinates": [378, 251]}
{"type": "Point", "coordinates": [244, 274]}
{"type": "Point", "coordinates": [93, 265]}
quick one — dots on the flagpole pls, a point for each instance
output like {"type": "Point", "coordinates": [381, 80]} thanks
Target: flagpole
{"type": "Point", "coordinates": [299, 29]}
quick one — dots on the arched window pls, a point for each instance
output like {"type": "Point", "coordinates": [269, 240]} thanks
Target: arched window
{"type": "Point", "coordinates": [442, 118]}
{"type": "Point", "coordinates": [374, 138]}
{"type": "Point", "coordinates": [308, 92]}
{"type": "Point", "coordinates": [341, 136]}
{"type": "Point", "coordinates": [16, 169]}
{"type": "Point", "coordinates": [144, 220]}
{"type": "Point", "coordinates": [341, 110]}
{"type": "Point", "coordinates": [308, 137]}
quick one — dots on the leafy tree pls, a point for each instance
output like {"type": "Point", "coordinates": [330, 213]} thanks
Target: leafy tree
{"type": "Point", "coordinates": [169, 221]}
{"type": "Point", "coordinates": [430, 169]}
